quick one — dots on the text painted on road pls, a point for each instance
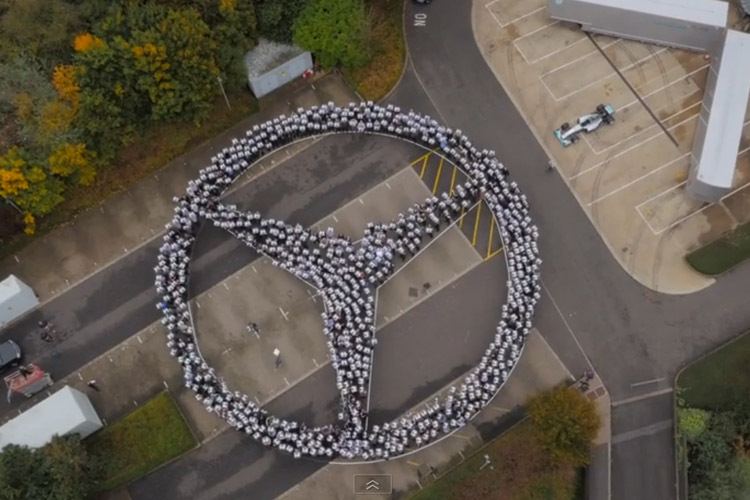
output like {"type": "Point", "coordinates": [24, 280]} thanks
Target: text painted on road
{"type": "Point", "coordinates": [420, 19]}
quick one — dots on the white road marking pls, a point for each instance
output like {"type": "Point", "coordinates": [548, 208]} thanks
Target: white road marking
{"type": "Point", "coordinates": [609, 75]}
{"type": "Point", "coordinates": [642, 432]}
{"type": "Point", "coordinates": [635, 399]}
{"type": "Point", "coordinates": [627, 150]}
{"type": "Point", "coordinates": [640, 132]}
{"type": "Point", "coordinates": [647, 382]}
{"type": "Point", "coordinates": [503, 25]}
{"type": "Point", "coordinates": [634, 181]}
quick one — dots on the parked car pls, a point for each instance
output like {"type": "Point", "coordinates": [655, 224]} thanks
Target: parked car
{"type": "Point", "coordinates": [568, 134]}
{"type": "Point", "coordinates": [10, 355]}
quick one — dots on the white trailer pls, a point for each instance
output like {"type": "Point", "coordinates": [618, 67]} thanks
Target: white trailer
{"type": "Point", "coordinates": [16, 297]}
{"type": "Point", "coordinates": [713, 159]}
{"type": "Point", "coordinates": [686, 24]}
{"type": "Point", "coordinates": [68, 411]}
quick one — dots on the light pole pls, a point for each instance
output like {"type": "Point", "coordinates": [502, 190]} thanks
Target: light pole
{"type": "Point", "coordinates": [224, 93]}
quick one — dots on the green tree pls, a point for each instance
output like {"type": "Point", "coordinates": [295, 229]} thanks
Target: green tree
{"type": "Point", "coordinates": [335, 31]}
{"type": "Point", "coordinates": [39, 28]}
{"type": "Point", "coordinates": [61, 470]}
{"type": "Point", "coordinates": [25, 181]}
{"type": "Point", "coordinates": [730, 481]}
{"type": "Point", "coordinates": [276, 18]}
{"type": "Point", "coordinates": [235, 33]}
{"type": "Point", "coordinates": [565, 422]}
{"type": "Point", "coordinates": [692, 422]}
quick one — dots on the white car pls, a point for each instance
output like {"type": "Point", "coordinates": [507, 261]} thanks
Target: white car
{"type": "Point", "coordinates": [568, 135]}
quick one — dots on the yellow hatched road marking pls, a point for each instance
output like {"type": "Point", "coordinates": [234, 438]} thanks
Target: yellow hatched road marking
{"type": "Point", "coordinates": [495, 253]}
{"type": "Point", "coordinates": [437, 177]}
{"type": "Point", "coordinates": [476, 225]}
{"type": "Point", "coordinates": [461, 220]}
{"type": "Point", "coordinates": [453, 180]}
{"type": "Point", "coordinates": [492, 230]}
{"type": "Point", "coordinates": [424, 165]}
{"type": "Point", "coordinates": [412, 462]}
{"type": "Point", "coordinates": [421, 158]}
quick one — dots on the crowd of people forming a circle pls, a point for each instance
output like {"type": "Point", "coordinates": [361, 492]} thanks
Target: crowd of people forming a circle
{"type": "Point", "coordinates": [346, 274]}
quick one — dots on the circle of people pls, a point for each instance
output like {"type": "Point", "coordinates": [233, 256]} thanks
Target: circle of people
{"type": "Point", "coordinates": [346, 273]}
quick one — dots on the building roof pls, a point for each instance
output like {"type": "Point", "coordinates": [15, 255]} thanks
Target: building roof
{"type": "Point", "coordinates": [268, 55]}
{"type": "Point", "coordinates": [61, 413]}
{"type": "Point", "coordinates": [727, 114]}
{"type": "Point", "coordinates": [713, 12]}
{"type": "Point", "coordinates": [10, 287]}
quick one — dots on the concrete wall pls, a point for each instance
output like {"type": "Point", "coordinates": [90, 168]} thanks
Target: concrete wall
{"type": "Point", "coordinates": [281, 75]}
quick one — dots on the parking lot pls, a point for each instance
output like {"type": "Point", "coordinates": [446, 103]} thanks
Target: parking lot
{"type": "Point", "coordinates": [629, 177]}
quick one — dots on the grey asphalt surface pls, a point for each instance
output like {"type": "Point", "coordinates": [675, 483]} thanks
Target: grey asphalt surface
{"type": "Point", "coordinates": [629, 333]}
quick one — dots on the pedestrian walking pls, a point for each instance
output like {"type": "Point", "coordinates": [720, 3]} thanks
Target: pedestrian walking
{"type": "Point", "coordinates": [254, 329]}
{"type": "Point", "coordinates": [92, 384]}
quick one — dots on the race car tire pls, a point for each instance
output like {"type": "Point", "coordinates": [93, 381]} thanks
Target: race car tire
{"type": "Point", "coordinates": [600, 109]}
{"type": "Point", "coordinates": [574, 138]}
{"type": "Point", "coordinates": [565, 126]}
{"type": "Point", "coordinates": [609, 119]}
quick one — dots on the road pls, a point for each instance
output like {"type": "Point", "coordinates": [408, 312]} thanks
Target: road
{"type": "Point", "coordinates": [629, 333]}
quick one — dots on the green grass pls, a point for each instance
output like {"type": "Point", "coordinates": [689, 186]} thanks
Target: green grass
{"type": "Point", "coordinates": [143, 440]}
{"type": "Point", "coordinates": [723, 254]}
{"type": "Point", "coordinates": [720, 379]}
{"type": "Point", "coordinates": [521, 471]}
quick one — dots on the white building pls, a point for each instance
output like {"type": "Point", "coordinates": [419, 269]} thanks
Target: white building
{"type": "Point", "coordinates": [16, 297]}
{"type": "Point", "coordinates": [68, 411]}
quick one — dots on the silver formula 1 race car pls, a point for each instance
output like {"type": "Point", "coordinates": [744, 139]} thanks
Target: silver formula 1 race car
{"type": "Point", "coordinates": [567, 135]}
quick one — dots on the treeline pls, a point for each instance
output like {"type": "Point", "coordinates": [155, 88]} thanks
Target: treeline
{"type": "Point", "coordinates": [82, 78]}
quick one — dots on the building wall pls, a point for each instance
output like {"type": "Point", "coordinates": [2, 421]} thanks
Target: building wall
{"type": "Point", "coordinates": [281, 75]}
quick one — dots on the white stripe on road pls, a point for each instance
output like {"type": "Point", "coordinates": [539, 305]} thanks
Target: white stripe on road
{"type": "Point", "coordinates": [642, 432]}
{"type": "Point", "coordinates": [635, 399]}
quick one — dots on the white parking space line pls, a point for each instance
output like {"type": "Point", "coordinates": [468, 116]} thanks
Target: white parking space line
{"type": "Point", "coordinates": [686, 217]}
{"type": "Point", "coordinates": [656, 91]}
{"type": "Point", "coordinates": [627, 150]}
{"type": "Point", "coordinates": [589, 54]}
{"type": "Point", "coordinates": [627, 185]}
{"type": "Point", "coordinates": [505, 25]}
{"type": "Point", "coordinates": [536, 30]}
{"type": "Point", "coordinates": [653, 125]}
{"type": "Point", "coordinates": [542, 58]}
{"type": "Point", "coordinates": [610, 75]}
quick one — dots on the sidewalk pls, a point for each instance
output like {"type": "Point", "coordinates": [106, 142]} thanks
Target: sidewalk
{"type": "Point", "coordinates": [102, 235]}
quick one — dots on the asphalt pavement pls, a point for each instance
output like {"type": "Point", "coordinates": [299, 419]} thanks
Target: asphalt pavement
{"type": "Point", "coordinates": [630, 334]}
